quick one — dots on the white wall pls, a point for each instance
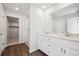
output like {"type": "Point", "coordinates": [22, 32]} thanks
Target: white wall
{"type": "Point", "coordinates": [48, 23]}
{"type": "Point", "coordinates": [36, 25]}
{"type": "Point", "coordinates": [23, 29]}
{"type": "Point", "coordinates": [23, 25]}
{"type": "Point", "coordinates": [2, 28]}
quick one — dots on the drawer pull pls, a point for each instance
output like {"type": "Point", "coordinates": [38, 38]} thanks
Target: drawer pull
{"type": "Point", "coordinates": [48, 52]}
{"type": "Point", "coordinates": [61, 50]}
{"type": "Point", "coordinates": [48, 39]}
{"type": "Point", "coordinates": [64, 51]}
{"type": "Point", "coordinates": [49, 45]}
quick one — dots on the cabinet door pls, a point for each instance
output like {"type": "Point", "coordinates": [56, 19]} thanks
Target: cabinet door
{"type": "Point", "coordinates": [58, 50]}
{"type": "Point", "coordinates": [70, 52]}
{"type": "Point", "coordinates": [46, 46]}
{"type": "Point", "coordinates": [42, 44]}
{"type": "Point", "coordinates": [50, 49]}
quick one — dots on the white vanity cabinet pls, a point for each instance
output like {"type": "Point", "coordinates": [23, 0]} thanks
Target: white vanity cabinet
{"type": "Point", "coordinates": [45, 45]}
{"type": "Point", "coordinates": [65, 51]}
{"type": "Point", "coordinates": [58, 50]}
{"type": "Point", "coordinates": [54, 46]}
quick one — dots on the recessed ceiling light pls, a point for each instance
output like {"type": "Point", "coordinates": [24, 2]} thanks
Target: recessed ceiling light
{"type": "Point", "coordinates": [16, 8]}
{"type": "Point", "coordinates": [44, 6]}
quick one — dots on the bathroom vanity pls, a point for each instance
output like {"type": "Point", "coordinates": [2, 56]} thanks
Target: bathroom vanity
{"type": "Point", "coordinates": [63, 40]}
{"type": "Point", "coordinates": [58, 44]}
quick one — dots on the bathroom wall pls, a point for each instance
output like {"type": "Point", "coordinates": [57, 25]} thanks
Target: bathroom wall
{"type": "Point", "coordinates": [2, 28]}
{"type": "Point", "coordinates": [36, 25]}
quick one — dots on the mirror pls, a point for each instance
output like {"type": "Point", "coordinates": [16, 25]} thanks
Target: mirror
{"type": "Point", "coordinates": [66, 20]}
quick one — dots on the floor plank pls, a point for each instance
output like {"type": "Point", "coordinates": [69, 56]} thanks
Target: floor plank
{"type": "Point", "coordinates": [16, 50]}
{"type": "Point", "coordinates": [20, 50]}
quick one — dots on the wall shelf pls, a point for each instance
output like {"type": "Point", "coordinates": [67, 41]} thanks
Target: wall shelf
{"type": "Point", "coordinates": [14, 26]}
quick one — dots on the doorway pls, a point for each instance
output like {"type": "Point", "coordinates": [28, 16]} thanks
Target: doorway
{"type": "Point", "coordinates": [12, 30]}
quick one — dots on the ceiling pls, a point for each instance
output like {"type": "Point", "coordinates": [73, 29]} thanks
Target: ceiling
{"type": "Point", "coordinates": [23, 8]}
{"type": "Point", "coordinates": [46, 5]}
{"type": "Point", "coordinates": [71, 9]}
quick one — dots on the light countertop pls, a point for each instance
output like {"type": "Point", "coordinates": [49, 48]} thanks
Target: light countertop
{"type": "Point", "coordinates": [66, 36]}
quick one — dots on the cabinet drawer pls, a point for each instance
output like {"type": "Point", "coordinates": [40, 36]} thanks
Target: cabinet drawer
{"type": "Point", "coordinates": [49, 39]}
{"type": "Point", "coordinates": [68, 43]}
{"type": "Point", "coordinates": [50, 49]}
{"type": "Point", "coordinates": [46, 46]}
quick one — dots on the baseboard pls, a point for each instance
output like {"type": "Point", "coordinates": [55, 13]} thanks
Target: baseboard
{"type": "Point", "coordinates": [0, 52]}
{"type": "Point", "coordinates": [27, 44]}
{"type": "Point", "coordinates": [32, 50]}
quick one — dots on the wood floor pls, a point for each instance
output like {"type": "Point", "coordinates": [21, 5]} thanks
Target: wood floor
{"type": "Point", "coordinates": [20, 50]}
{"type": "Point", "coordinates": [37, 53]}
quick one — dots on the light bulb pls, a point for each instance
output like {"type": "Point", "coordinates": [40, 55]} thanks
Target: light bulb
{"type": "Point", "coordinates": [44, 6]}
{"type": "Point", "coordinates": [16, 8]}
